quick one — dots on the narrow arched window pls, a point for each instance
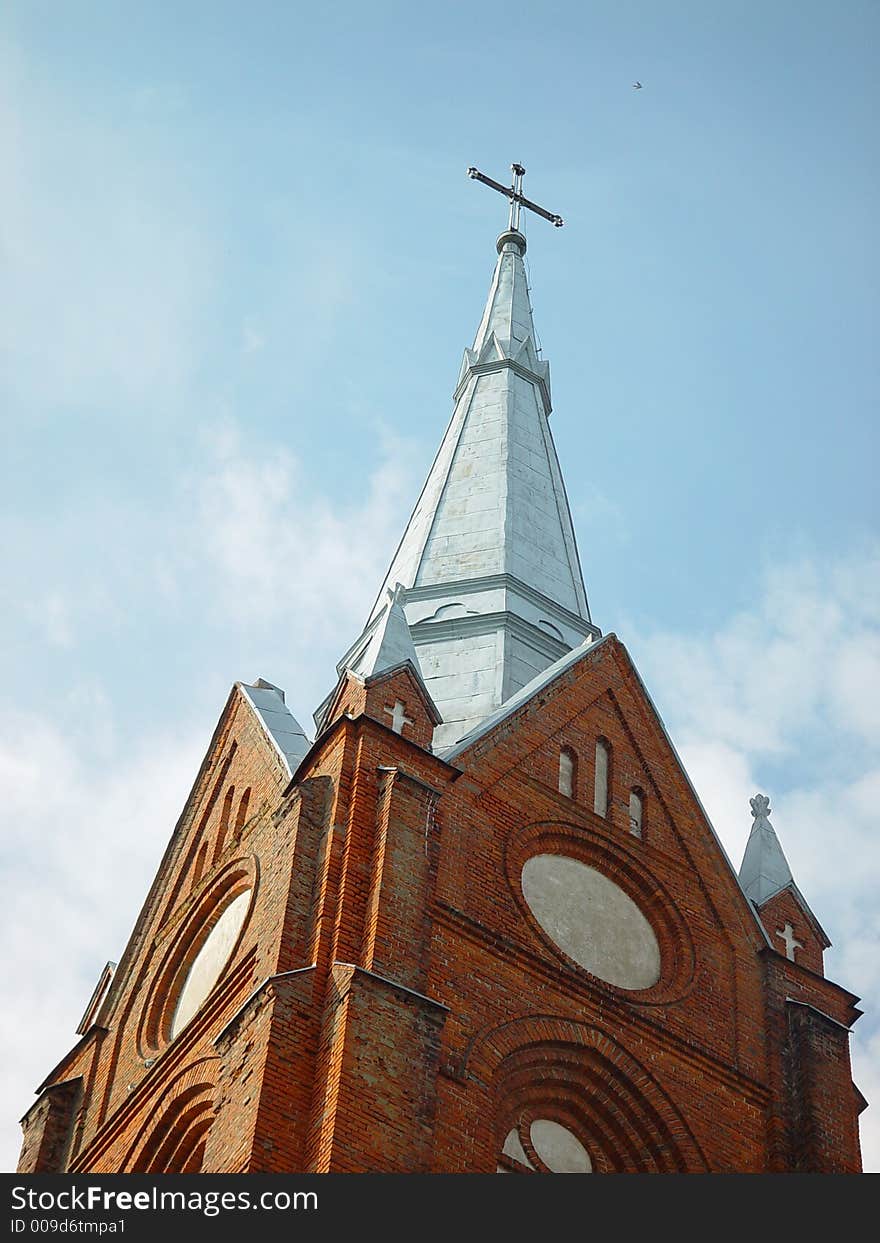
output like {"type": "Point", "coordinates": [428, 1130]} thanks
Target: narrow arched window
{"type": "Point", "coordinates": [602, 777]}
{"type": "Point", "coordinates": [567, 772]}
{"type": "Point", "coordinates": [224, 823]}
{"type": "Point", "coordinates": [241, 814]}
{"type": "Point", "coordinates": [199, 865]}
{"type": "Point", "coordinates": [636, 810]}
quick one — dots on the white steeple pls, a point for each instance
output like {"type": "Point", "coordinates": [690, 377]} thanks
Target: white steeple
{"type": "Point", "coordinates": [764, 871]}
{"type": "Point", "coordinates": [493, 589]}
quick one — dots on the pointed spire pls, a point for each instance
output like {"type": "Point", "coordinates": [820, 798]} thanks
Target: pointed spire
{"type": "Point", "coordinates": [507, 332]}
{"type": "Point", "coordinates": [492, 586]}
{"type": "Point", "coordinates": [764, 870]}
{"type": "Point", "coordinates": [388, 644]}
{"type": "Point", "coordinates": [508, 312]}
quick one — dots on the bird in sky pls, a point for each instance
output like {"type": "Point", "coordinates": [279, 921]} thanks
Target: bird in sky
{"type": "Point", "coordinates": [637, 86]}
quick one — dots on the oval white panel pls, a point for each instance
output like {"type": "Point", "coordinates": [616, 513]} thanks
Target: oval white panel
{"type": "Point", "coordinates": [592, 920]}
{"type": "Point", "coordinates": [561, 1152]}
{"type": "Point", "coordinates": [209, 962]}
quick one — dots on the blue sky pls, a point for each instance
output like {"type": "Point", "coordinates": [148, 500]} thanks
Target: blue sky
{"type": "Point", "coordinates": [240, 260]}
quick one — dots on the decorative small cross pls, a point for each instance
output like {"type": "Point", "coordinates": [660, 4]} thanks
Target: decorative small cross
{"type": "Point", "coordinates": [787, 934]}
{"type": "Point", "coordinates": [398, 716]}
{"type": "Point", "coordinates": [515, 194]}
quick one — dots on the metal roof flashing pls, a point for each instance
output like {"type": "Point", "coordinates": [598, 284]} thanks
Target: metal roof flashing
{"type": "Point", "coordinates": [279, 724]}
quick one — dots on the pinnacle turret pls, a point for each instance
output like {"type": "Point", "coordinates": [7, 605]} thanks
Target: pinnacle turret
{"type": "Point", "coordinates": [764, 874]}
{"type": "Point", "coordinates": [764, 869]}
{"type": "Point", "coordinates": [386, 644]}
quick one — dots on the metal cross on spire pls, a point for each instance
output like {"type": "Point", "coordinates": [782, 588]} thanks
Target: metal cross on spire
{"type": "Point", "coordinates": [515, 194]}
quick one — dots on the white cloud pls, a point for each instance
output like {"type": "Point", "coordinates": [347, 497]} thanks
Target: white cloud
{"type": "Point", "coordinates": [806, 650]}
{"type": "Point", "coordinates": [854, 690]}
{"type": "Point", "coordinates": [719, 774]}
{"type": "Point", "coordinates": [274, 545]}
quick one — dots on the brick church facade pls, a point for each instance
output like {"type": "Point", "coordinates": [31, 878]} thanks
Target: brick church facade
{"type": "Point", "coordinates": [481, 923]}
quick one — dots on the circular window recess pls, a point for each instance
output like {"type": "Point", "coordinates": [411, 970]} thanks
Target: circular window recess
{"type": "Point", "coordinates": [197, 955]}
{"type": "Point", "coordinates": [207, 966]}
{"type": "Point", "coordinates": [557, 1149]}
{"type": "Point", "coordinates": [592, 920]}
{"type": "Point", "coordinates": [561, 1152]}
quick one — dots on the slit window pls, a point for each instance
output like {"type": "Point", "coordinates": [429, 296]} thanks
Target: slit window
{"type": "Point", "coordinates": [600, 787]}
{"type": "Point", "coordinates": [636, 811]}
{"type": "Point", "coordinates": [242, 812]}
{"type": "Point", "coordinates": [224, 823]}
{"type": "Point", "coordinates": [567, 772]}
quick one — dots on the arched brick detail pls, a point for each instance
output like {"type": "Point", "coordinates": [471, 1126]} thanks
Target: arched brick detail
{"type": "Point", "coordinates": [195, 861]}
{"type": "Point", "coordinates": [620, 862]}
{"type": "Point", "coordinates": [238, 876]}
{"type": "Point", "coordinates": [172, 1139]}
{"type": "Point", "coordinates": [555, 1068]}
{"type": "Point", "coordinates": [241, 814]}
{"type": "Point", "coordinates": [199, 865]}
{"type": "Point", "coordinates": [223, 830]}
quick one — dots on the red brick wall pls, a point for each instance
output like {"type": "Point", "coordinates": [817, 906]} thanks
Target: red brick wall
{"type": "Point", "coordinates": [783, 910]}
{"type": "Point", "coordinates": [392, 1004]}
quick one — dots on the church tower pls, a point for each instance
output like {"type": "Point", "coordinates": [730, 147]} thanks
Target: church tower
{"type": "Point", "coordinates": [481, 922]}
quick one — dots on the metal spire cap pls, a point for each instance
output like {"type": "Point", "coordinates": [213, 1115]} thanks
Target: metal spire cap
{"type": "Point", "coordinates": [511, 237]}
